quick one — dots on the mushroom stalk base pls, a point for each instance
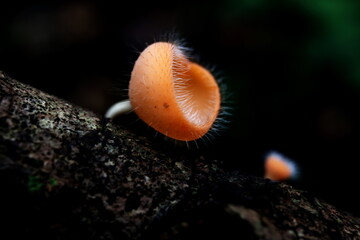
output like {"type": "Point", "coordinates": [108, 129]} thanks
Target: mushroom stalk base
{"type": "Point", "coordinates": [119, 108]}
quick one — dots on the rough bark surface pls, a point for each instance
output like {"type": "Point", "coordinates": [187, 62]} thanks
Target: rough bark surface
{"type": "Point", "coordinates": [67, 174]}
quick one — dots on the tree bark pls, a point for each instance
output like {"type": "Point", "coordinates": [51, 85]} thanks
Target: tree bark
{"type": "Point", "coordinates": [67, 174]}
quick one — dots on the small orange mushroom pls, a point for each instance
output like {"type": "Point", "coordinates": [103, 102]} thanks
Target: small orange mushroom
{"type": "Point", "coordinates": [279, 168]}
{"type": "Point", "coordinates": [173, 95]}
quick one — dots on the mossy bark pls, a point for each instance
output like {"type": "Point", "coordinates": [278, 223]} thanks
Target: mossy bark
{"type": "Point", "coordinates": [67, 174]}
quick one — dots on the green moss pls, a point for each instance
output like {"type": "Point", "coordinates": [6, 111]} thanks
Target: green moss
{"type": "Point", "coordinates": [53, 182]}
{"type": "Point", "coordinates": [34, 184]}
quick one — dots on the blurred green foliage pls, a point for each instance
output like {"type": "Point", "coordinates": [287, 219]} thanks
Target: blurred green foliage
{"type": "Point", "coordinates": [340, 37]}
{"type": "Point", "coordinates": [336, 24]}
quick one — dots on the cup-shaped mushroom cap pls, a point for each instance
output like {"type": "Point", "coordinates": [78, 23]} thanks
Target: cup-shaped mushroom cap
{"type": "Point", "coordinates": [279, 168]}
{"type": "Point", "coordinates": [173, 95]}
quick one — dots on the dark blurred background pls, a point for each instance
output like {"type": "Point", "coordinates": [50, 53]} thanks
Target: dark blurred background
{"type": "Point", "coordinates": [292, 71]}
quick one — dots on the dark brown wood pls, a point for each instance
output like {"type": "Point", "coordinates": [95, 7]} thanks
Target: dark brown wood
{"type": "Point", "coordinates": [67, 174]}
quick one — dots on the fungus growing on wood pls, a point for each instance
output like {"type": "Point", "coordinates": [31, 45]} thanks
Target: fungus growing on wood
{"type": "Point", "coordinates": [279, 168]}
{"type": "Point", "coordinates": [170, 93]}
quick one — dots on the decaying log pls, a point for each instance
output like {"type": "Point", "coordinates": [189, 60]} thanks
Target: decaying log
{"type": "Point", "coordinates": [67, 174]}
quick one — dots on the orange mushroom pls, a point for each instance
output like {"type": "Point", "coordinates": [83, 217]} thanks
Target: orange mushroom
{"type": "Point", "coordinates": [279, 168]}
{"type": "Point", "coordinates": [173, 95]}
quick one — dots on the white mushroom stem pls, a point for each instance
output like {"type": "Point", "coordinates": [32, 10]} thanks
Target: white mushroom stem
{"type": "Point", "coordinates": [119, 108]}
